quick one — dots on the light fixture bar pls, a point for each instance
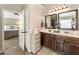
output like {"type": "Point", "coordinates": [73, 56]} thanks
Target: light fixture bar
{"type": "Point", "coordinates": [58, 8]}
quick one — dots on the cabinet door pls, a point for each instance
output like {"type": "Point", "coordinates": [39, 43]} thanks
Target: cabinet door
{"type": "Point", "coordinates": [50, 41]}
{"type": "Point", "coordinates": [43, 38]}
{"type": "Point", "coordinates": [50, 44]}
{"type": "Point", "coordinates": [60, 46]}
{"type": "Point", "coordinates": [47, 41]}
{"type": "Point", "coordinates": [72, 48]}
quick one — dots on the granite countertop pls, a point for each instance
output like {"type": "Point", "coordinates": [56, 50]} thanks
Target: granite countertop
{"type": "Point", "coordinates": [70, 33]}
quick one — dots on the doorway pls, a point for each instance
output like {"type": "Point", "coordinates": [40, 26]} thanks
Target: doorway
{"type": "Point", "coordinates": [13, 31]}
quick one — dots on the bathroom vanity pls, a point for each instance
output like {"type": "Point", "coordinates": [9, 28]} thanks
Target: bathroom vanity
{"type": "Point", "coordinates": [64, 43]}
{"type": "Point", "coordinates": [61, 32]}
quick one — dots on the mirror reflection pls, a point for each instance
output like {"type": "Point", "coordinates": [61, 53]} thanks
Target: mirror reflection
{"type": "Point", "coordinates": [50, 21]}
{"type": "Point", "coordinates": [68, 20]}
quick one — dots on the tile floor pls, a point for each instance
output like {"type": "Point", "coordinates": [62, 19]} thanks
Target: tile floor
{"type": "Point", "coordinates": [12, 48]}
{"type": "Point", "coordinates": [47, 51]}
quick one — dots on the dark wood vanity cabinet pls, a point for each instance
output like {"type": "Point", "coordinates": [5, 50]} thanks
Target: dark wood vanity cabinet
{"type": "Point", "coordinates": [48, 40]}
{"type": "Point", "coordinates": [51, 42]}
{"type": "Point", "coordinates": [42, 38]}
{"type": "Point", "coordinates": [72, 46]}
{"type": "Point", "coordinates": [62, 44]}
{"type": "Point", "coordinates": [72, 49]}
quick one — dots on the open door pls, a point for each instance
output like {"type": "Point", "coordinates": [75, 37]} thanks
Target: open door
{"type": "Point", "coordinates": [21, 30]}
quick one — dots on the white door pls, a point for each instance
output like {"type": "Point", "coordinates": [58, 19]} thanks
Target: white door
{"type": "Point", "coordinates": [21, 30]}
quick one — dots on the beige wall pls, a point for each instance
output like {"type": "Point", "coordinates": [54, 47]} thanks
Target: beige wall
{"type": "Point", "coordinates": [34, 15]}
{"type": "Point", "coordinates": [11, 7]}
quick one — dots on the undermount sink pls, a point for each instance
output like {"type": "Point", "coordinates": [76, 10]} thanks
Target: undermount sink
{"type": "Point", "coordinates": [66, 32]}
{"type": "Point", "coordinates": [50, 30]}
{"type": "Point", "coordinates": [56, 31]}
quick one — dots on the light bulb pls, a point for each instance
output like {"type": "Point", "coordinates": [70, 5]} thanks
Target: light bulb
{"type": "Point", "coordinates": [64, 6]}
{"type": "Point", "coordinates": [56, 8]}
{"type": "Point", "coordinates": [50, 10]}
{"type": "Point", "coordinates": [60, 7]}
{"type": "Point", "coordinates": [53, 9]}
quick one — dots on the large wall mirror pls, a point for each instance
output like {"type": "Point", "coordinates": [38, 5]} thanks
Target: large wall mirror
{"type": "Point", "coordinates": [68, 20]}
{"type": "Point", "coordinates": [50, 21]}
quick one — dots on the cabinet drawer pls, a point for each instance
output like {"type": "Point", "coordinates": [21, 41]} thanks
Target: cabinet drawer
{"type": "Point", "coordinates": [58, 37]}
{"type": "Point", "coordinates": [60, 45]}
{"type": "Point", "coordinates": [72, 49]}
{"type": "Point", "coordinates": [73, 40]}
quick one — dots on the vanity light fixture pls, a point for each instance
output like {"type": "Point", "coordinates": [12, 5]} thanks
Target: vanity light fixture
{"type": "Point", "coordinates": [58, 8]}
{"type": "Point", "coordinates": [50, 10]}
